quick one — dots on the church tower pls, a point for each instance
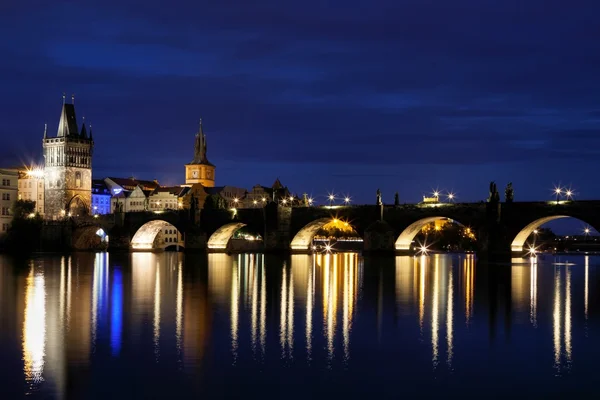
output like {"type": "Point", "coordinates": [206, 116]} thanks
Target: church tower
{"type": "Point", "coordinates": [68, 167]}
{"type": "Point", "coordinates": [200, 170]}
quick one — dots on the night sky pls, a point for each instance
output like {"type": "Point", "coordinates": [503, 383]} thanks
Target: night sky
{"type": "Point", "coordinates": [339, 96]}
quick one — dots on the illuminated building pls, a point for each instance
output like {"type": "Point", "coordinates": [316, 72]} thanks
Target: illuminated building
{"type": "Point", "coordinates": [31, 187]}
{"type": "Point", "coordinates": [68, 167]}
{"type": "Point", "coordinates": [167, 198]}
{"type": "Point", "coordinates": [129, 200]}
{"type": "Point", "coordinates": [8, 194]}
{"type": "Point", "coordinates": [200, 170]}
{"type": "Point", "coordinates": [233, 197]}
{"type": "Point", "coordinates": [100, 197]}
{"type": "Point", "coordinates": [263, 194]}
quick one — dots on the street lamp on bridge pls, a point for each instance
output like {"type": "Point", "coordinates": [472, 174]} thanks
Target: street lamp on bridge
{"type": "Point", "coordinates": [558, 191]}
{"type": "Point", "coordinates": [331, 198]}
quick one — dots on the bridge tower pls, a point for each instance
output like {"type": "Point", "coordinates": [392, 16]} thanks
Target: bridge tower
{"type": "Point", "coordinates": [68, 167]}
{"type": "Point", "coordinates": [200, 170]}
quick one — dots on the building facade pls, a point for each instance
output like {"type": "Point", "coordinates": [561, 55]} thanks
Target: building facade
{"type": "Point", "coordinates": [31, 187]}
{"type": "Point", "coordinates": [234, 197]}
{"type": "Point", "coordinates": [263, 194]}
{"type": "Point", "coordinates": [68, 168]}
{"type": "Point", "coordinates": [129, 201]}
{"type": "Point", "coordinates": [200, 170]}
{"type": "Point", "coordinates": [100, 197]}
{"type": "Point", "coordinates": [8, 195]}
{"type": "Point", "coordinates": [167, 198]}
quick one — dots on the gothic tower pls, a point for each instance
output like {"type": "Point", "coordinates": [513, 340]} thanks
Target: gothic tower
{"type": "Point", "coordinates": [68, 167]}
{"type": "Point", "coordinates": [200, 170]}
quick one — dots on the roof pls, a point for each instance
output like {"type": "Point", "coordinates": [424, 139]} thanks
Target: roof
{"type": "Point", "coordinates": [277, 184]}
{"type": "Point", "coordinates": [99, 187]}
{"type": "Point", "coordinates": [67, 126]}
{"type": "Point", "coordinates": [132, 182]}
{"type": "Point", "coordinates": [214, 190]}
{"type": "Point", "coordinates": [174, 190]}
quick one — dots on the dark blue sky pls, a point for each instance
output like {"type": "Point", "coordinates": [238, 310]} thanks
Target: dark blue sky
{"type": "Point", "coordinates": [328, 95]}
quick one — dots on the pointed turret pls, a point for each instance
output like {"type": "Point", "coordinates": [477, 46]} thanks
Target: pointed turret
{"type": "Point", "coordinates": [200, 148]}
{"type": "Point", "coordinates": [83, 132]}
{"type": "Point", "coordinates": [67, 125]}
{"type": "Point", "coordinates": [91, 137]}
{"type": "Point", "coordinates": [45, 131]}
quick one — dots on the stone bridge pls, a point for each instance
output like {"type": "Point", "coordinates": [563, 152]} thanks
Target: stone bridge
{"type": "Point", "coordinates": [499, 228]}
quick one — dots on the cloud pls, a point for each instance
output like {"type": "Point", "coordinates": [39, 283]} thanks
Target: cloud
{"type": "Point", "coordinates": [399, 83]}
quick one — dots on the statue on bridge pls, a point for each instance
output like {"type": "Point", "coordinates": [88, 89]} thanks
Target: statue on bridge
{"type": "Point", "coordinates": [396, 199]}
{"type": "Point", "coordinates": [509, 193]}
{"type": "Point", "coordinates": [379, 197]}
{"type": "Point", "coordinates": [494, 195]}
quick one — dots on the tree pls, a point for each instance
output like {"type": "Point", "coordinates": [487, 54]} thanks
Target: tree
{"type": "Point", "coordinates": [24, 232]}
{"type": "Point", "coordinates": [23, 208]}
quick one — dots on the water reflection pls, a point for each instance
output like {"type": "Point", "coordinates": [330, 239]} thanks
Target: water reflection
{"type": "Point", "coordinates": [34, 327]}
{"type": "Point", "coordinates": [167, 313]}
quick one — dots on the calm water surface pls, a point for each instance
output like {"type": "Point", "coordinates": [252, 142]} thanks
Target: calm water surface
{"type": "Point", "coordinates": [100, 326]}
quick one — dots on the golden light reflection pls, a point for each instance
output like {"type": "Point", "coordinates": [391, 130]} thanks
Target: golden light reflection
{"type": "Point", "coordinates": [310, 299]}
{"type": "Point", "coordinates": [156, 330]}
{"type": "Point", "coordinates": [286, 317]}
{"type": "Point", "coordinates": [254, 306]}
{"type": "Point", "coordinates": [348, 299]}
{"type": "Point", "coordinates": [469, 285]}
{"type": "Point", "coordinates": [235, 304]}
{"type": "Point", "coordinates": [34, 328]}
{"type": "Point", "coordinates": [179, 309]}
{"type": "Point", "coordinates": [556, 321]}
{"type": "Point", "coordinates": [435, 314]}
{"type": "Point", "coordinates": [405, 279]}
{"type": "Point", "coordinates": [422, 278]}
{"type": "Point", "coordinates": [567, 335]}
{"type": "Point", "coordinates": [450, 318]}
{"type": "Point", "coordinates": [562, 319]}
{"type": "Point", "coordinates": [263, 305]}
{"type": "Point", "coordinates": [519, 275]}
{"type": "Point", "coordinates": [586, 288]}
{"type": "Point", "coordinates": [533, 292]}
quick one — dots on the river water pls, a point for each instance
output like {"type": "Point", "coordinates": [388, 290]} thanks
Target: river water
{"type": "Point", "coordinates": [143, 325]}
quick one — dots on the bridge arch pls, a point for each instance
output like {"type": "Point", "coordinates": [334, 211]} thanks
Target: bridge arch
{"type": "Point", "coordinates": [404, 241]}
{"type": "Point", "coordinates": [303, 239]}
{"type": "Point", "coordinates": [220, 238]}
{"type": "Point", "coordinates": [145, 237]}
{"type": "Point", "coordinates": [91, 237]}
{"type": "Point", "coordinates": [77, 206]}
{"type": "Point", "coordinates": [519, 240]}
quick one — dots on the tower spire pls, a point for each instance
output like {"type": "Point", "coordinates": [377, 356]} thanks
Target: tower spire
{"type": "Point", "coordinates": [45, 130]}
{"type": "Point", "coordinates": [67, 126]}
{"type": "Point", "coordinates": [83, 132]}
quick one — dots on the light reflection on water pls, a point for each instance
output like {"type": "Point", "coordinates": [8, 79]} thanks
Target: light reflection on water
{"type": "Point", "coordinates": [83, 322]}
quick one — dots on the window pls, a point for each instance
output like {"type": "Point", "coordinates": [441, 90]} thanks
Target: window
{"type": "Point", "coordinates": [40, 196]}
{"type": "Point", "coordinates": [4, 227]}
{"type": "Point", "coordinates": [29, 184]}
{"type": "Point", "coordinates": [5, 211]}
{"type": "Point", "coordinates": [5, 196]}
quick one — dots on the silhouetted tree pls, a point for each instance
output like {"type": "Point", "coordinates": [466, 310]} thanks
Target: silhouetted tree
{"type": "Point", "coordinates": [24, 232]}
